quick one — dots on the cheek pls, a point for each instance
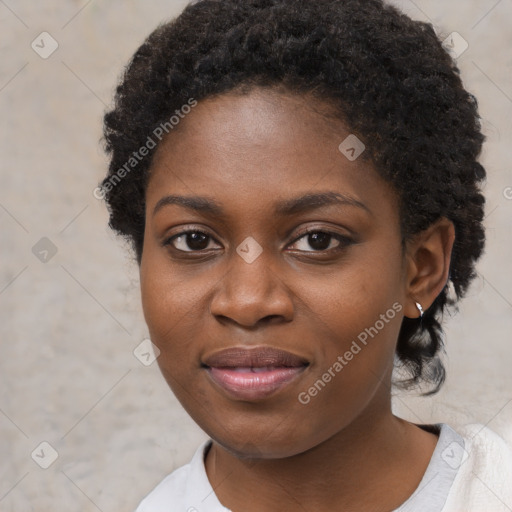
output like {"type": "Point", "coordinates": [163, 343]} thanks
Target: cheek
{"type": "Point", "coordinates": [171, 310]}
{"type": "Point", "coordinates": [353, 299]}
{"type": "Point", "coordinates": [168, 301]}
{"type": "Point", "coordinates": [358, 317]}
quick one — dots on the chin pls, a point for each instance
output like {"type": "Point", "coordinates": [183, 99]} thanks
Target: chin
{"type": "Point", "coordinates": [257, 444]}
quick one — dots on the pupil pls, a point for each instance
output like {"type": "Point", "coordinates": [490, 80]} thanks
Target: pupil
{"type": "Point", "coordinates": [196, 241]}
{"type": "Point", "coordinates": [319, 241]}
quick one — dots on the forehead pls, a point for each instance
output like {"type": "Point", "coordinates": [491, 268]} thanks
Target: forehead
{"type": "Point", "coordinates": [257, 147]}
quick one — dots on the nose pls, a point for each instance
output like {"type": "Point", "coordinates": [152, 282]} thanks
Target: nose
{"type": "Point", "coordinates": [252, 293]}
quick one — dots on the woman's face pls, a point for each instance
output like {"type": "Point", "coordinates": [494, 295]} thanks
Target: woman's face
{"type": "Point", "coordinates": [258, 172]}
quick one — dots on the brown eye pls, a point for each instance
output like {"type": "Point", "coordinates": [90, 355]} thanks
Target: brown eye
{"type": "Point", "coordinates": [189, 241]}
{"type": "Point", "coordinates": [321, 241]}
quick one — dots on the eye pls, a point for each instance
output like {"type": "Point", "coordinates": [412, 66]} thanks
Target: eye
{"type": "Point", "coordinates": [197, 241]}
{"type": "Point", "coordinates": [194, 240]}
{"type": "Point", "coordinates": [322, 240]}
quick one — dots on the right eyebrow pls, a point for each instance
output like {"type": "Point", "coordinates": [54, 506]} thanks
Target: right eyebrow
{"type": "Point", "coordinates": [197, 203]}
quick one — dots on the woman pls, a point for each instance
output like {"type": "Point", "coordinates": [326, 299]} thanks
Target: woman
{"type": "Point", "coordinates": [300, 185]}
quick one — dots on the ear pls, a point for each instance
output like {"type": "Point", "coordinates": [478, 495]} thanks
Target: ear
{"type": "Point", "coordinates": [428, 257]}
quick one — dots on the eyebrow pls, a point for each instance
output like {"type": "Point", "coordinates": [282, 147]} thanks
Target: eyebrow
{"type": "Point", "coordinates": [286, 207]}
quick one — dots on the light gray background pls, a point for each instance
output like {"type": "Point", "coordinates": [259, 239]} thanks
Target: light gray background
{"type": "Point", "coordinates": [69, 326]}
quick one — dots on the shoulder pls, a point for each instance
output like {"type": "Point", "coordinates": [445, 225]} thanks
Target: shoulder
{"type": "Point", "coordinates": [485, 449]}
{"type": "Point", "coordinates": [178, 488]}
{"type": "Point", "coordinates": [169, 490]}
{"type": "Point", "coordinates": [484, 477]}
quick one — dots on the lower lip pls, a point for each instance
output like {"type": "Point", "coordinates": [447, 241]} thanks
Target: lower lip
{"type": "Point", "coordinates": [247, 385]}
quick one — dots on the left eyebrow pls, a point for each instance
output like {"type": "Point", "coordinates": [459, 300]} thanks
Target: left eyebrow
{"type": "Point", "coordinates": [310, 202]}
{"type": "Point", "coordinates": [288, 207]}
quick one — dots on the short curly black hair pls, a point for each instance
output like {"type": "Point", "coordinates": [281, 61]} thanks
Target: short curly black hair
{"type": "Point", "coordinates": [387, 77]}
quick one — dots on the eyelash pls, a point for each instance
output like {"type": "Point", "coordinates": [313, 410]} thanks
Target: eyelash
{"type": "Point", "coordinates": [343, 240]}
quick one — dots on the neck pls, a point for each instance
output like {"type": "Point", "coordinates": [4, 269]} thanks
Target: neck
{"type": "Point", "coordinates": [375, 462]}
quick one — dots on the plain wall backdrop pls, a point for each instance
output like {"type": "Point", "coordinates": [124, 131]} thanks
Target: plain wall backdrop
{"type": "Point", "coordinates": [69, 298]}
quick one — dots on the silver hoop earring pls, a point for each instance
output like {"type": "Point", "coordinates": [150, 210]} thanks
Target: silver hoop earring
{"type": "Point", "coordinates": [420, 309]}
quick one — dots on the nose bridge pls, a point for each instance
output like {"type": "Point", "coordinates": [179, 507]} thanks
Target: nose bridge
{"type": "Point", "coordinates": [251, 289]}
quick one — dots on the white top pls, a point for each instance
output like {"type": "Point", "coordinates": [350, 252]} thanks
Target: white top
{"type": "Point", "coordinates": [470, 471]}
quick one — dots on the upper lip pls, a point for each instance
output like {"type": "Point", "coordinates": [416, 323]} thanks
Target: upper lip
{"type": "Point", "coordinates": [256, 357]}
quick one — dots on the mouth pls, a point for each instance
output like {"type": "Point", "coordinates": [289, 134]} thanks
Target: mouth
{"type": "Point", "coordinates": [253, 374]}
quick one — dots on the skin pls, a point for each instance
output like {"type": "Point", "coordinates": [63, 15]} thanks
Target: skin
{"type": "Point", "coordinates": [344, 449]}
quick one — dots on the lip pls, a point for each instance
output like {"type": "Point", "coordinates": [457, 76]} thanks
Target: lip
{"type": "Point", "coordinates": [255, 373]}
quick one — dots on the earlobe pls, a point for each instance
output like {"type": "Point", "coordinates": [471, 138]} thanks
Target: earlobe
{"type": "Point", "coordinates": [428, 266]}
